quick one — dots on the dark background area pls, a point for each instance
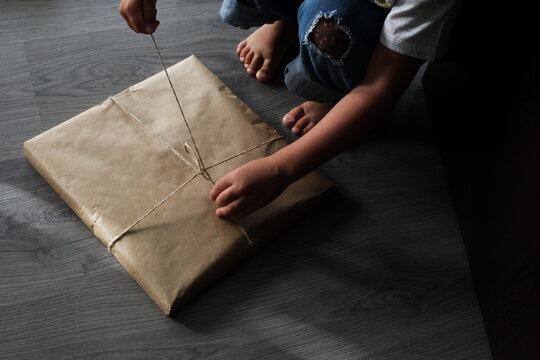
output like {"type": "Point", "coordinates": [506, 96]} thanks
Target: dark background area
{"type": "Point", "coordinates": [484, 101]}
{"type": "Point", "coordinates": [379, 272]}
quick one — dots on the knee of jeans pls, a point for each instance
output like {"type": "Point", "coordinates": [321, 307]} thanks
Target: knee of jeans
{"type": "Point", "coordinates": [329, 37]}
{"type": "Point", "coordinates": [242, 14]}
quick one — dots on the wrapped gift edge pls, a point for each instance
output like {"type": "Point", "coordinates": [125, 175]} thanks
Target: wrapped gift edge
{"type": "Point", "coordinates": [225, 264]}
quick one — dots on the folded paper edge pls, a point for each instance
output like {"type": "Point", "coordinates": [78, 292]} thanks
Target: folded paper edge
{"type": "Point", "coordinates": [86, 215]}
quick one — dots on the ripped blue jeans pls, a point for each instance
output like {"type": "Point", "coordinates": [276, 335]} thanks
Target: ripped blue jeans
{"type": "Point", "coordinates": [336, 38]}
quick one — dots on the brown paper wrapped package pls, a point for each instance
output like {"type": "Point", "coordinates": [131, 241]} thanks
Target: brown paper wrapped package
{"type": "Point", "coordinates": [116, 162]}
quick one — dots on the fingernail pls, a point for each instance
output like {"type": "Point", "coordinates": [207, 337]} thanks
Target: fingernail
{"type": "Point", "coordinates": [289, 119]}
{"type": "Point", "coordinates": [150, 28]}
{"type": "Point", "coordinates": [262, 74]}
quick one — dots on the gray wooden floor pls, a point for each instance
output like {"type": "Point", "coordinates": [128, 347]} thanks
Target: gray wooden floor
{"type": "Point", "coordinates": [378, 272]}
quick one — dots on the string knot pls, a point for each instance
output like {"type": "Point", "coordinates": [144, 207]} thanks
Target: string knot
{"type": "Point", "coordinates": [198, 164]}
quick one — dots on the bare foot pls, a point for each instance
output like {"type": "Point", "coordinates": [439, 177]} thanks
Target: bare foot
{"type": "Point", "coordinates": [303, 118]}
{"type": "Point", "coordinates": [262, 51]}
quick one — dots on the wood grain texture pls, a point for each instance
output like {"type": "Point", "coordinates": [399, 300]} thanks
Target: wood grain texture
{"type": "Point", "coordinates": [378, 272]}
{"type": "Point", "coordinates": [18, 109]}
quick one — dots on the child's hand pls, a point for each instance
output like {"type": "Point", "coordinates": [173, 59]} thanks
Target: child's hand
{"type": "Point", "coordinates": [248, 188]}
{"type": "Point", "coordinates": [140, 15]}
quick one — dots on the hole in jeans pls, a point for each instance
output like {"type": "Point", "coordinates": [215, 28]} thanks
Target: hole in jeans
{"type": "Point", "coordinates": [330, 38]}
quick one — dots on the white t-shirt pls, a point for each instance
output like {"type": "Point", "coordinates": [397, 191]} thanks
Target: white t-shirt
{"type": "Point", "coordinates": [418, 28]}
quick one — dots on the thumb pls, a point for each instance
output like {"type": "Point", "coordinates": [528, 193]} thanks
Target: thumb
{"type": "Point", "coordinates": [149, 13]}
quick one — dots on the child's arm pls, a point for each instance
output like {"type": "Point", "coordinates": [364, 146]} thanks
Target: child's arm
{"type": "Point", "coordinates": [257, 183]}
{"type": "Point", "coordinates": [140, 15]}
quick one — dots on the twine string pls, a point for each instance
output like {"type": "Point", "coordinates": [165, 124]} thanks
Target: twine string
{"type": "Point", "coordinates": [118, 236]}
{"type": "Point", "coordinates": [198, 154]}
{"type": "Point", "coordinates": [196, 162]}
{"type": "Point", "coordinates": [193, 164]}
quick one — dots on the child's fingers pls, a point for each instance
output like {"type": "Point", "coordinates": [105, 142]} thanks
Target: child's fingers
{"type": "Point", "coordinates": [232, 211]}
{"type": "Point", "coordinates": [133, 11]}
{"type": "Point", "coordinates": [227, 196]}
{"type": "Point", "coordinates": [138, 23]}
{"type": "Point", "coordinates": [149, 13]}
{"type": "Point", "coordinates": [136, 19]}
{"type": "Point", "coordinates": [219, 187]}
{"type": "Point", "coordinates": [127, 21]}
{"type": "Point", "coordinates": [124, 9]}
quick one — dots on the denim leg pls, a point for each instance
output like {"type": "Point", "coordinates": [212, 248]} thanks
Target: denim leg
{"type": "Point", "coordinates": [249, 13]}
{"type": "Point", "coordinates": [326, 71]}
{"type": "Point", "coordinates": [283, 9]}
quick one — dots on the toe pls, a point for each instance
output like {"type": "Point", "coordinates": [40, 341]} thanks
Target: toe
{"type": "Point", "coordinates": [300, 125]}
{"type": "Point", "coordinates": [243, 53]}
{"type": "Point", "coordinates": [255, 64]}
{"type": "Point", "coordinates": [241, 47]}
{"type": "Point", "coordinates": [290, 119]}
{"type": "Point", "coordinates": [248, 58]}
{"type": "Point", "coordinates": [308, 127]}
{"type": "Point", "coordinates": [266, 71]}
